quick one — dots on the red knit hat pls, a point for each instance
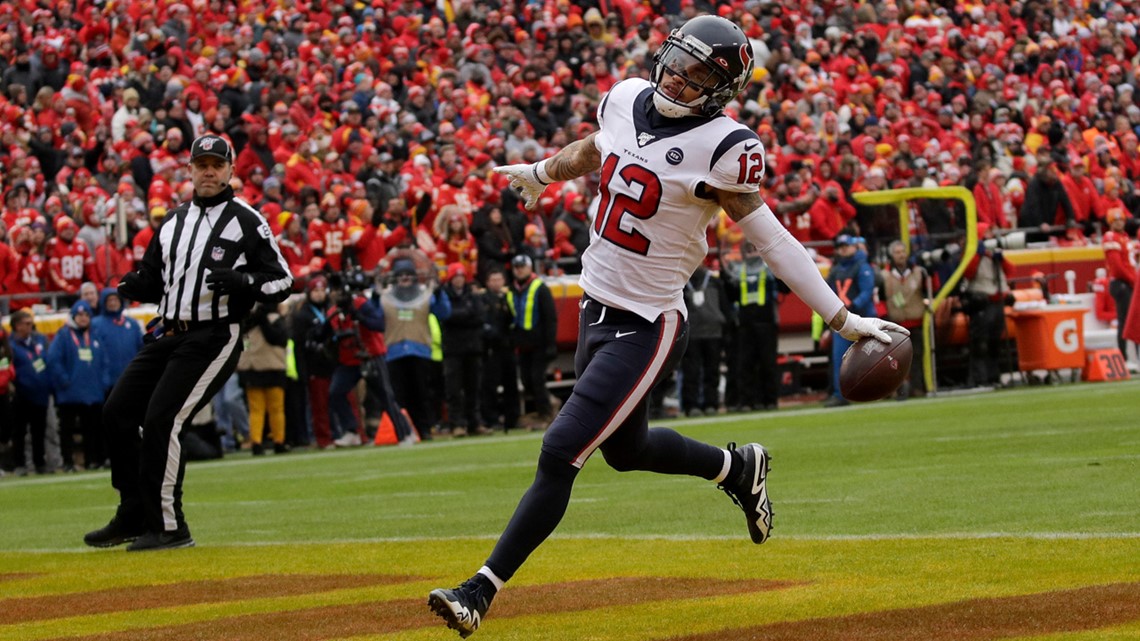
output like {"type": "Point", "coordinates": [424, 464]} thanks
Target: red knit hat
{"type": "Point", "coordinates": [456, 269]}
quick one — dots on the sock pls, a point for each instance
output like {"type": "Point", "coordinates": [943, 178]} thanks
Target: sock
{"type": "Point", "coordinates": [486, 571]}
{"type": "Point", "coordinates": [726, 469]}
{"type": "Point", "coordinates": [736, 464]}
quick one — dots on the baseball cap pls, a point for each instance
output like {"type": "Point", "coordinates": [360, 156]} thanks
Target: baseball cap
{"type": "Point", "coordinates": [521, 260]}
{"type": "Point", "coordinates": [211, 145]}
{"type": "Point", "coordinates": [844, 239]}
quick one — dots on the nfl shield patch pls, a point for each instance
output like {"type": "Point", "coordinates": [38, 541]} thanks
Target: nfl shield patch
{"type": "Point", "coordinates": [217, 254]}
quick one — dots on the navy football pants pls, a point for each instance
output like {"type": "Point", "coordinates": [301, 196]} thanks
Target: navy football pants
{"type": "Point", "coordinates": [620, 357]}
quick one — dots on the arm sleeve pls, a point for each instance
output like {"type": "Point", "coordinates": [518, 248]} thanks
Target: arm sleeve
{"type": "Point", "coordinates": [58, 367]}
{"type": "Point", "coordinates": [149, 287]}
{"type": "Point", "coordinates": [370, 315]}
{"type": "Point", "coordinates": [440, 305]}
{"type": "Point", "coordinates": [738, 162]}
{"type": "Point", "coordinates": [271, 276]}
{"type": "Point", "coordinates": [789, 261]}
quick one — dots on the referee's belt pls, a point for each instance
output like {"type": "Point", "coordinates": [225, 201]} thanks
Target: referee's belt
{"type": "Point", "coordinates": [170, 327]}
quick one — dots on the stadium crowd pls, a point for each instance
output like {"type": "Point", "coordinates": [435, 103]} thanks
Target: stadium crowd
{"type": "Point", "coordinates": [366, 133]}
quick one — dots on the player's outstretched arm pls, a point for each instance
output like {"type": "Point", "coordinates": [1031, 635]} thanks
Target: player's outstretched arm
{"type": "Point", "coordinates": [793, 265]}
{"type": "Point", "coordinates": [576, 159]}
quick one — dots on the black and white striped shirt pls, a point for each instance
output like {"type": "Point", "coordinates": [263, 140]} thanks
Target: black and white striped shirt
{"type": "Point", "coordinates": [207, 234]}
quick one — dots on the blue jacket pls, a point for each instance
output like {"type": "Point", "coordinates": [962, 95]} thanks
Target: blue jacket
{"type": "Point", "coordinates": [33, 383]}
{"type": "Point", "coordinates": [121, 337]}
{"type": "Point", "coordinates": [76, 363]}
{"type": "Point", "coordinates": [854, 281]}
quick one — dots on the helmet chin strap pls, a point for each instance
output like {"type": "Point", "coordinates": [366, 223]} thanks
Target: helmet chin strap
{"type": "Point", "coordinates": [671, 108]}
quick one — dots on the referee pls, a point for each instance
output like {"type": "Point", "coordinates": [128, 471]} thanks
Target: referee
{"type": "Point", "coordinates": [207, 264]}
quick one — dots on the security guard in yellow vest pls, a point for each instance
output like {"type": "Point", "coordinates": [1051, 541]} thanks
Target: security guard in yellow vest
{"type": "Point", "coordinates": [755, 290]}
{"type": "Point", "coordinates": [535, 332]}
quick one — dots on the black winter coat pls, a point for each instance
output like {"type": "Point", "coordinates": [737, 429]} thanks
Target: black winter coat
{"type": "Point", "coordinates": [462, 332]}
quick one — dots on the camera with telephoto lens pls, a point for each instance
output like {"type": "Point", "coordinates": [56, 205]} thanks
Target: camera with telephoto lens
{"type": "Point", "coordinates": [352, 280]}
{"type": "Point", "coordinates": [1015, 240]}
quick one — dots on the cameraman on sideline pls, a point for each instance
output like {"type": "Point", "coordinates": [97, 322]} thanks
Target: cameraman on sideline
{"type": "Point", "coordinates": [985, 304]}
{"type": "Point", "coordinates": [356, 325]}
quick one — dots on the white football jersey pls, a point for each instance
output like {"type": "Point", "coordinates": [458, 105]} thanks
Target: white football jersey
{"type": "Point", "coordinates": [648, 234]}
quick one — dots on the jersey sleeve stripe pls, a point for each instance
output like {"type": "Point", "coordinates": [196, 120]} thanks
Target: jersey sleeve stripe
{"type": "Point", "coordinates": [731, 140]}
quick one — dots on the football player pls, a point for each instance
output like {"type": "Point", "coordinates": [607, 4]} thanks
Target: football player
{"type": "Point", "coordinates": [669, 159]}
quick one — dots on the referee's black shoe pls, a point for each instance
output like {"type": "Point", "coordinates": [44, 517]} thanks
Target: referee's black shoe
{"type": "Point", "coordinates": [749, 489]}
{"type": "Point", "coordinates": [464, 607]}
{"type": "Point", "coordinates": [120, 530]}
{"type": "Point", "coordinates": [179, 538]}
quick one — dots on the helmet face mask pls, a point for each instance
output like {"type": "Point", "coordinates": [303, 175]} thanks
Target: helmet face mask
{"type": "Point", "coordinates": [711, 55]}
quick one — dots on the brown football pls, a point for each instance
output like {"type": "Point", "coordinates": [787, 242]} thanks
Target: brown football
{"type": "Point", "coordinates": [872, 369]}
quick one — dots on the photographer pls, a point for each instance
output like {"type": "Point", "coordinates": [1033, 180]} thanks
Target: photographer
{"type": "Point", "coordinates": [984, 302]}
{"type": "Point", "coordinates": [407, 304]}
{"type": "Point", "coordinates": [356, 325]}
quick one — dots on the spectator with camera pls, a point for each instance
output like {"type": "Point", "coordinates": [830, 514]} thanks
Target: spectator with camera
{"type": "Point", "coordinates": [406, 304]}
{"type": "Point", "coordinates": [356, 325]}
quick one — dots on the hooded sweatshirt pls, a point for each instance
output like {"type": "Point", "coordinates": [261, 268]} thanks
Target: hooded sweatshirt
{"type": "Point", "coordinates": [120, 336]}
{"type": "Point", "coordinates": [76, 363]}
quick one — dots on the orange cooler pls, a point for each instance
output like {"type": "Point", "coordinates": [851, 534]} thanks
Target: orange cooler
{"type": "Point", "coordinates": [1050, 337]}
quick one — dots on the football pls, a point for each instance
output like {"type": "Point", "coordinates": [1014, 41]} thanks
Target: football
{"type": "Point", "coordinates": [872, 370]}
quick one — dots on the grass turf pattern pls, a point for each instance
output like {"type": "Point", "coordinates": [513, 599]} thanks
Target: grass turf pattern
{"type": "Point", "coordinates": [879, 508]}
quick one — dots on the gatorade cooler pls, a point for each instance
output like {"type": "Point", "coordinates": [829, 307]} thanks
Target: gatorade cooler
{"type": "Point", "coordinates": [1050, 337]}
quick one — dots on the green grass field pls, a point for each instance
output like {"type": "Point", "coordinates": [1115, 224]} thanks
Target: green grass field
{"type": "Point", "coordinates": [1011, 515]}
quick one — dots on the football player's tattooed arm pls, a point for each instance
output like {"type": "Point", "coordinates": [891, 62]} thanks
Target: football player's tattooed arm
{"type": "Point", "coordinates": [576, 159]}
{"type": "Point", "coordinates": [787, 257]}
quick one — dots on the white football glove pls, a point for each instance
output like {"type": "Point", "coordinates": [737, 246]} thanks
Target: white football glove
{"type": "Point", "coordinates": [856, 327]}
{"type": "Point", "coordinates": [528, 180]}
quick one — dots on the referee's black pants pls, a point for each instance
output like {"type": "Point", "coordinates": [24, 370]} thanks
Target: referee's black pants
{"type": "Point", "coordinates": [163, 387]}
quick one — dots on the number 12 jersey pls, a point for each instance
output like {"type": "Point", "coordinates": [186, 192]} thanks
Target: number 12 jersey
{"type": "Point", "coordinates": [649, 220]}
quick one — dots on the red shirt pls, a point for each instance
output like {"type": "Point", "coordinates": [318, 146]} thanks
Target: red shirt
{"type": "Point", "coordinates": [9, 267]}
{"type": "Point", "coordinates": [374, 244]}
{"type": "Point", "coordinates": [69, 263]}
{"type": "Point", "coordinates": [31, 274]}
{"type": "Point", "coordinates": [111, 264]}
{"type": "Point", "coordinates": [1115, 245]}
{"type": "Point", "coordinates": [141, 241]}
{"type": "Point", "coordinates": [327, 240]}
{"type": "Point", "coordinates": [348, 349]}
